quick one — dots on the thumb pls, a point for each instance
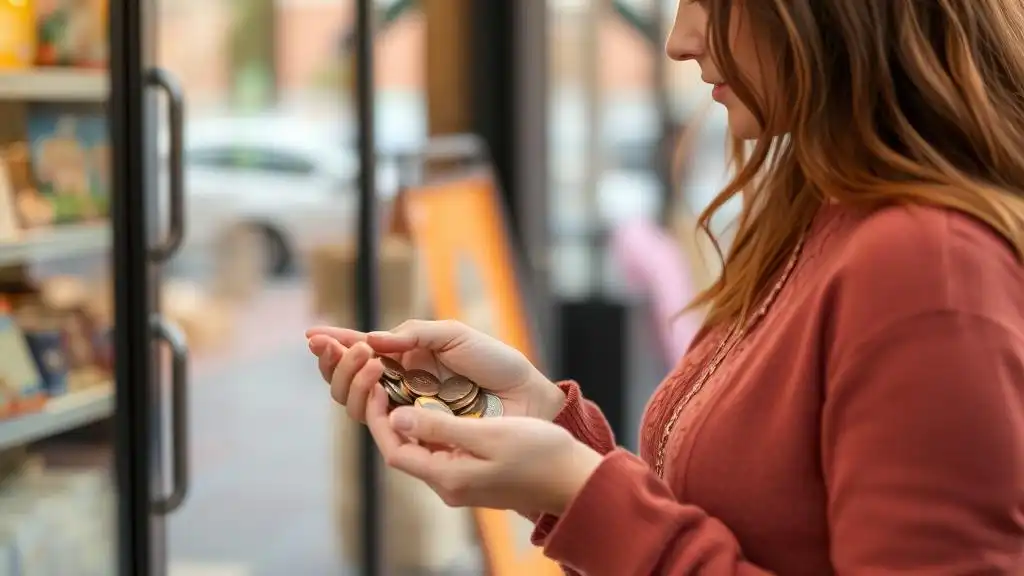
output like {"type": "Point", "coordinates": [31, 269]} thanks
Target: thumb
{"type": "Point", "coordinates": [473, 435]}
{"type": "Point", "coordinates": [437, 336]}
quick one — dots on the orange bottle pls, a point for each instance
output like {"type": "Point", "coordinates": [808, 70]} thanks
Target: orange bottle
{"type": "Point", "coordinates": [17, 34]}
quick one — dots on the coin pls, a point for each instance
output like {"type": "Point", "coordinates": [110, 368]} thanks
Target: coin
{"type": "Point", "coordinates": [392, 369]}
{"type": "Point", "coordinates": [405, 389]}
{"type": "Point", "coordinates": [495, 407]}
{"type": "Point", "coordinates": [397, 393]}
{"type": "Point", "coordinates": [456, 389]}
{"type": "Point", "coordinates": [476, 408]}
{"type": "Point", "coordinates": [467, 401]}
{"type": "Point", "coordinates": [428, 403]}
{"type": "Point", "coordinates": [422, 383]}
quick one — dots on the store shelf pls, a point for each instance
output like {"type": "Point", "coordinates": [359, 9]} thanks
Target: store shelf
{"type": "Point", "coordinates": [54, 85]}
{"type": "Point", "coordinates": [60, 415]}
{"type": "Point", "coordinates": [66, 241]}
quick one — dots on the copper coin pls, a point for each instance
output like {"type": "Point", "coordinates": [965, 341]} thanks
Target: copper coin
{"type": "Point", "coordinates": [422, 383]}
{"type": "Point", "coordinates": [455, 389]}
{"type": "Point", "coordinates": [392, 369]}
{"type": "Point", "coordinates": [476, 409]}
{"type": "Point", "coordinates": [405, 388]}
{"type": "Point", "coordinates": [428, 403]}
{"type": "Point", "coordinates": [466, 402]}
{"type": "Point", "coordinates": [495, 407]}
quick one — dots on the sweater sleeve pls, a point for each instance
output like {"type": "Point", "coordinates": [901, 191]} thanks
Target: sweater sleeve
{"type": "Point", "coordinates": [923, 454]}
{"type": "Point", "coordinates": [584, 420]}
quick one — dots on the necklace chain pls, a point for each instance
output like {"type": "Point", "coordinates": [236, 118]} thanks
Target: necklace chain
{"type": "Point", "coordinates": [736, 332]}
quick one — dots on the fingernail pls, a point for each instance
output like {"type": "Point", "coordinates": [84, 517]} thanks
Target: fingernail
{"type": "Point", "coordinates": [379, 334]}
{"type": "Point", "coordinates": [402, 420]}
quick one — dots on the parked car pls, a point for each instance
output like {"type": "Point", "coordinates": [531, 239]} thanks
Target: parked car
{"type": "Point", "coordinates": [292, 182]}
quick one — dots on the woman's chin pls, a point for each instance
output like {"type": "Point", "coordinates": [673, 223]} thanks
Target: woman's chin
{"type": "Point", "coordinates": [743, 125]}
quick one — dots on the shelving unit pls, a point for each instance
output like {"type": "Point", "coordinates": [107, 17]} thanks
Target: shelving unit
{"type": "Point", "coordinates": [60, 415]}
{"type": "Point", "coordinates": [54, 85]}
{"type": "Point", "coordinates": [67, 241]}
{"type": "Point", "coordinates": [60, 242]}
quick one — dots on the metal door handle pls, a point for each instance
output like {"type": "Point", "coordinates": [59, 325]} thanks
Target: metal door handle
{"type": "Point", "coordinates": [164, 80]}
{"type": "Point", "coordinates": [170, 334]}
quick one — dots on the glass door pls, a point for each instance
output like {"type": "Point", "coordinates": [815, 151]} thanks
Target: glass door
{"type": "Point", "coordinates": [271, 187]}
{"type": "Point", "coordinates": [78, 433]}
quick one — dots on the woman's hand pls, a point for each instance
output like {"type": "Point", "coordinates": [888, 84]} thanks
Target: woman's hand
{"type": "Point", "coordinates": [507, 463]}
{"type": "Point", "coordinates": [447, 347]}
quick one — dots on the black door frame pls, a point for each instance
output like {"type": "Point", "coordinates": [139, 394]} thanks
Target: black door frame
{"type": "Point", "coordinates": [128, 216]}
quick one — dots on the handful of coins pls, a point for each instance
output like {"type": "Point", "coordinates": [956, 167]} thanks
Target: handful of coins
{"type": "Point", "coordinates": [457, 395]}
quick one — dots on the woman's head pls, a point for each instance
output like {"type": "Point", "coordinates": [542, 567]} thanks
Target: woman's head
{"type": "Point", "coordinates": [865, 102]}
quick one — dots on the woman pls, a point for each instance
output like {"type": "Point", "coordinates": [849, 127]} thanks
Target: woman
{"type": "Point", "coordinates": [855, 402]}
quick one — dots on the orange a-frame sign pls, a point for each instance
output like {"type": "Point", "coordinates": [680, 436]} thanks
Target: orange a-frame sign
{"type": "Point", "coordinates": [458, 225]}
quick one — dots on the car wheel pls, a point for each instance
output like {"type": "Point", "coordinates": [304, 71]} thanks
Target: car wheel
{"type": "Point", "coordinates": [277, 257]}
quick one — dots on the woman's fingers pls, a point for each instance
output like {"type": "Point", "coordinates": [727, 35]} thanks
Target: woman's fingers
{"type": "Point", "coordinates": [437, 336]}
{"type": "Point", "coordinates": [449, 474]}
{"type": "Point", "coordinates": [328, 352]}
{"type": "Point", "coordinates": [344, 336]}
{"type": "Point", "coordinates": [345, 371]}
{"type": "Point", "coordinates": [377, 421]}
{"type": "Point", "coordinates": [365, 382]}
{"type": "Point", "coordinates": [476, 436]}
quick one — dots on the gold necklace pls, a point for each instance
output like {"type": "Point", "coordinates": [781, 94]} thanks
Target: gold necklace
{"type": "Point", "coordinates": [733, 336]}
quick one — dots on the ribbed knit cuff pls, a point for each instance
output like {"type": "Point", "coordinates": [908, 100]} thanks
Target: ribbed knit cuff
{"type": "Point", "coordinates": [579, 421]}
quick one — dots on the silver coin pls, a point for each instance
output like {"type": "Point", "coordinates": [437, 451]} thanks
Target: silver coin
{"type": "Point", "coordinates": [494, 407]}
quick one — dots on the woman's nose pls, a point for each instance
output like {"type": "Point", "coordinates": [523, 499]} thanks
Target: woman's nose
{"type": "Point", "coordinates": [686, 39]}
{"type": "Point", "coordinates": [682, 50]}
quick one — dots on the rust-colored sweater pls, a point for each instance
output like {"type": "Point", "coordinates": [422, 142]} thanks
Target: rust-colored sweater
{"type": "Point", "coordinates": [872, 424]}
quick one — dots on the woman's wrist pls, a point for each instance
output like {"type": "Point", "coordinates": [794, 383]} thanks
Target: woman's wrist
{"type": "Point", "coordinates": [569, 479]}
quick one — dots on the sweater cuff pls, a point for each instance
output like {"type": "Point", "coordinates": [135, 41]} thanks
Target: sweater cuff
{"type": "Point", "coordinates": [574, 418]}
{"type": "Point", "coordinates": [584, 538]}
{"type": "Point", "coordinates": [569, 414]}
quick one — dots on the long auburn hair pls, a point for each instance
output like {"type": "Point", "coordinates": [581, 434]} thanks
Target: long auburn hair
{"type": "Point", "coordinates": [881, 102]}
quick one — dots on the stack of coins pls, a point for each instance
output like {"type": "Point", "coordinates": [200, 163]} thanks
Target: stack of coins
{"type": "Point", "coordinates": [457, 395]}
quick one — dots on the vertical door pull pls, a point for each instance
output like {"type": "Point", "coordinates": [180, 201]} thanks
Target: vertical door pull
{"type": "Point", "coordinates": [167, 332]}
{"type": "Point", "coordinates": [165, 81]}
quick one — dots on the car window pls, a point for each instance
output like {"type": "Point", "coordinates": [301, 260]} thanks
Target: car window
{"type": "Point", "coordinates": [210, 158]}
{"type": "Point", "coordinates": [250, 158]}
{"type": "Point", "coordinates": [282, 163]}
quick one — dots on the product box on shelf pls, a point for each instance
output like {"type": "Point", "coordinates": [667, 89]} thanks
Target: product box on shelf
{"type": "Point", "coordinates": [45, 339]}
{"type": "Point", "coordinates": [31, 209]}
{"type": "Point", "coordinates": [70, 160]}
{"type": "Point", "coordinates": [21, 386]}
{"type": "Point", "coordinates": [68, 346]}
{"type": "Point", "coordinates": [68, 298]}
{"type": "Point", "coordinates": [8, 213]}
{"type": "Point", "coordinates": [72, 32]}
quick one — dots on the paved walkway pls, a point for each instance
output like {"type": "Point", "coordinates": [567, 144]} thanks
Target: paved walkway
{"type": "Point", "coordinates": [260, 503]}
